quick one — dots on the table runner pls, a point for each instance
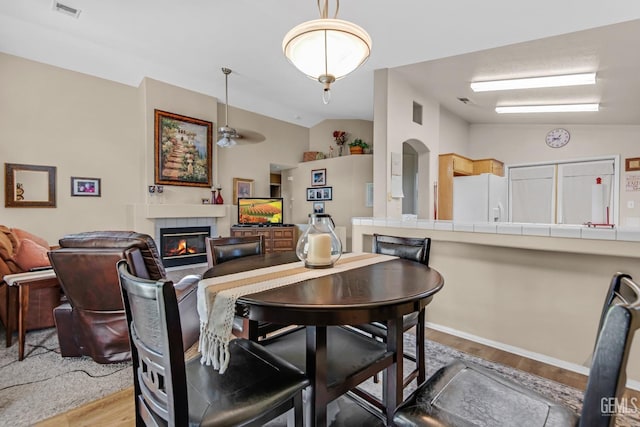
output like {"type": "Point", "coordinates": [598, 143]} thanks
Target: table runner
{"type": "Point", "coordinates": [217, 297]}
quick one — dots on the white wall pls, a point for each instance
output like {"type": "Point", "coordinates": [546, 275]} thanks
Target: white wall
{"type": "Point", "coordinates": [454, 133]}
{"type": "Point", "coordinates": [346, 175]}
{"type": "Point", "coordinates": [393, 125]}
{"type": "Point", "coordinates": [91, 127]}
{"type": "Point", "coordinates": [82, 125]}
{"type": "Point", "coordinates": [518, 144]}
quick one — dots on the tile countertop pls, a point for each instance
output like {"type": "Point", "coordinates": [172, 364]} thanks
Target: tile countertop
{"type": "Point", "coordinates": [619, 241]}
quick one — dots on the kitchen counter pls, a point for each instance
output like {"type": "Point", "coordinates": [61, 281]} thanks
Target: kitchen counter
{"type": "Point", "coordinates": [531, 289]}
{"type": "Point", "coordinates": [553, 237]}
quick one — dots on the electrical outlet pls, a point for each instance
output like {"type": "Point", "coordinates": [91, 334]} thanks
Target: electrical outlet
{"type": "Point", "coordinates": [630, 204]}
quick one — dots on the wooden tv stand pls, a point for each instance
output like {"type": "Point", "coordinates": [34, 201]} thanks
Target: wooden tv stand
{"type": "Point", "coordinates": [276, 238]}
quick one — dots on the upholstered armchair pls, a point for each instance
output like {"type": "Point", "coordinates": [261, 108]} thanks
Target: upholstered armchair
{"type": "Point", "coordinates": [93, 322]}
{"type": "Point", "coordinates": [20, 252]}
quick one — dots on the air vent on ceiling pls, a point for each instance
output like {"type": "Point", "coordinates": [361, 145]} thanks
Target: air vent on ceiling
{"type": "Point", "coordinates": [67, 10]}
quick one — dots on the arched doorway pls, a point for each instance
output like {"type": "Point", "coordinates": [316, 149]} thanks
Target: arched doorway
{"type": "Point", "coordinates": [415, 178]}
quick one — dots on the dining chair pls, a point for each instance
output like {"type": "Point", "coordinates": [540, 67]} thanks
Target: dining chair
{"type": "Point", "coordinates": [257, 386]}
{"type": "Point", "coordinates": [223, 249]}
{"type": "Point", "coordinates": [418, 250]}
{"type": "Point", "coordinates": [464, 394]}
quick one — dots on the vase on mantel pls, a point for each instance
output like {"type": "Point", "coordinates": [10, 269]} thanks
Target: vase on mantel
{"type": "Point", "coordinates": [213, 197]}
{"type": "Point", "coordinates": [219, 199]}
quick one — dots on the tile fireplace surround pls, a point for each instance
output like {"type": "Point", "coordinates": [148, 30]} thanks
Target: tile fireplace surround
{"type": "Point", "coordinates": [150, 218]}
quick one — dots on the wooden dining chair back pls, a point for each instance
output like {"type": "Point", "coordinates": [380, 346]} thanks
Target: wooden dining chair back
{"type": "Point", "coordinates": [463, 393]}
{"type": "Point", "coordinates": [413, 249]}
{"type": "Point", "coordinates": [256, 387]}
{"type": "Point", "coordinates": [223, 249]}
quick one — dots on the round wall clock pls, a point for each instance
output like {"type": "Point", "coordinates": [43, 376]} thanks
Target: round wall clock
{"type": "Point", "coordinates": [557, 138]}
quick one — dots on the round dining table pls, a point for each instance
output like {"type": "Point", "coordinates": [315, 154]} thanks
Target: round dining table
{"type": "Point", "coordinates": [383, 292]}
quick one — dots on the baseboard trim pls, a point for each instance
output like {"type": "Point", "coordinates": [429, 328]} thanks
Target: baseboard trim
{"type": "Point", "coordinates": [573, 367]}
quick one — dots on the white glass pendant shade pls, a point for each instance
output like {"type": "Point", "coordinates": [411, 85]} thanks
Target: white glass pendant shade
{"type": "Point", "coordinates": [327, 47]}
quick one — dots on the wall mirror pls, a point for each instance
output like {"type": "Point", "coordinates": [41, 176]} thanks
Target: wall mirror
{"type": "Point", "coordinates": [28, 186]}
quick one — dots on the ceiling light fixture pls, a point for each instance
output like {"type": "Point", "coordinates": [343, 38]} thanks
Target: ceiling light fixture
{"type": "Point", "coordinates": [327, 49]}
{"type": "Point", "coordinates": [559, 108]}
{"type": "Point", "coordinates": [535, 82]}
{"type": "Point", "coordinates": [227, 133]}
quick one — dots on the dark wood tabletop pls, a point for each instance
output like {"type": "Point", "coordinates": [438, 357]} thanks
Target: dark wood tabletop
{"type": "Point", "coordinates": [382, 291]}
{"type": "Point", "coordinates": [375, 292]}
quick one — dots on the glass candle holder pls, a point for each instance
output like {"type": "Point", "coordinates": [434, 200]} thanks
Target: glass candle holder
{"type": "Point", "coordinates": [319, 246]}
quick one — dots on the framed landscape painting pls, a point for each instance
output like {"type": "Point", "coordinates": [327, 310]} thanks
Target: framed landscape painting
{"type": "Point", "coordinates": [183, 150]}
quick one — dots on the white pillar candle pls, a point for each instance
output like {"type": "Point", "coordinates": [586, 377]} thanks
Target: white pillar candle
{"type": "Point", "coordinates": [319, 252]}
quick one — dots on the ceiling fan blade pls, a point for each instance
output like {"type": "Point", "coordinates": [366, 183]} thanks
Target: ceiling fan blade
{"type": "Point", "coordinates": [251, 136]}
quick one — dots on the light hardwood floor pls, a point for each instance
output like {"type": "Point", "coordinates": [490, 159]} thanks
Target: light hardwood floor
{"type": "Point", "coordinates": [118, 408]}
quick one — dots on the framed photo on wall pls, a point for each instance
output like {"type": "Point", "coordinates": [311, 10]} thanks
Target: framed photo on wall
{"type": "Point", "coordinates": [319, 193]}
{"type": "Point", "coordinates": [90, 187]}
{"type": "Point", "coordinates": [318, 207]}
{"type": "Point", "coordinates": [318, 177]}
{"type": "Point", "coordinates": [242, 188]}
{"type": "Point", "coordinates": [183, 150]}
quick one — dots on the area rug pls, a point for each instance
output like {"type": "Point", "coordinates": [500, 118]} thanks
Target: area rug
{"type": "Point", "coordinates": [45, 384]}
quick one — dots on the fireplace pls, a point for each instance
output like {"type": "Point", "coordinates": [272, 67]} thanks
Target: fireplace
{"type": "Point", "coordinates": [183, 245]}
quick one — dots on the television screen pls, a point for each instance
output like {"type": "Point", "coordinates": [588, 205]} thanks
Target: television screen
{"type": "Point", "coordinates": [253, 210]}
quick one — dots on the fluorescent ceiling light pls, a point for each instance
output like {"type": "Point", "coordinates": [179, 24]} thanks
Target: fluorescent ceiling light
{"type": "Point", "coordinates": [535, 82]}
{"type": "Point", "coordinates": [560, 108]}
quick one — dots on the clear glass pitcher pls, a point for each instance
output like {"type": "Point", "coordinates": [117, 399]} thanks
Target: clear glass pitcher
{"type": "Point", "coordinates": [319, 246]}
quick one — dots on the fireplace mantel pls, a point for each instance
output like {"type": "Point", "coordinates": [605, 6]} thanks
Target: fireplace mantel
{"type": "Point", "coordinates": [181, 211]}
{"type": "Point", "coordinates": [143, 217]}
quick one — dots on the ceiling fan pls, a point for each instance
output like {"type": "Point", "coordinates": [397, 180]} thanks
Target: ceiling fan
{"type": "Point", "coordinates": [228, 135]}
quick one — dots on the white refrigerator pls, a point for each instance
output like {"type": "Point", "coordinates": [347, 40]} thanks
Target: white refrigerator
{"type": "Point", "coordinates": [480, 198]}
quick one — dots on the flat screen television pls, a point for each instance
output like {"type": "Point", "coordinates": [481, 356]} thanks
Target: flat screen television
{"type": "Point", "coordinates": [259, 211]}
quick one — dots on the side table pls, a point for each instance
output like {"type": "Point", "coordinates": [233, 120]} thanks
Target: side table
{"type": "Point", "coordinates": [25, 282]}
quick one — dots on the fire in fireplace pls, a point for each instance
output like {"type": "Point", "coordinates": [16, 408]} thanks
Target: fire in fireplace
{"type": "Point", "coordinates": [184, 245]}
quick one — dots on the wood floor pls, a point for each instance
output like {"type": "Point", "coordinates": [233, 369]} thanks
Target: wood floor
{"type": "Point", "coordinates": [118, 409]}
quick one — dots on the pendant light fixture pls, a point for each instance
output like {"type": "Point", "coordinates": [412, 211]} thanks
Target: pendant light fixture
{"type": "Point", "coordinates": [227, 134]}
{"type": "Point", "coordinates": [327, 49]}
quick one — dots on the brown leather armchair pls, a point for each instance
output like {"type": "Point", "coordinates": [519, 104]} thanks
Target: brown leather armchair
{"type": "Point", "coordinates": [93, 322]}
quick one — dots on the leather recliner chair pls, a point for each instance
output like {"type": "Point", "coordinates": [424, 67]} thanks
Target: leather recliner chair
{"type": "Point", "coordinates": [93, 322]}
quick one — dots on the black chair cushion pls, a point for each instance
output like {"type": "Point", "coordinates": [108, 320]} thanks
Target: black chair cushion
{"type": "Point", "coordinates": [348, 352]}
{"type": "Point", "coordinates": [379, 329]}
{"type": "Point", "coordinates": [255, 382]}
{"type": "Point", "coordinates": [463, 394]}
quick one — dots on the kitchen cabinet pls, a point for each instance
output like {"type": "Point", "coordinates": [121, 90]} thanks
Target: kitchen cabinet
{"type": "Point", "coordinates": [492, 166]}
{"type": "Point", "coordinates": [450, 165]}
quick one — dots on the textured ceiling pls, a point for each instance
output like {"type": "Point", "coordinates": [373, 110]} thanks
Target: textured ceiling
{"type": "Point", "coordinates": [186, 43]}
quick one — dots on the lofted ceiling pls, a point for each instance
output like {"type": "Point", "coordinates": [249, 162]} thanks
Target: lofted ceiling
{"type": "Point", "coordinates": [439, 48]}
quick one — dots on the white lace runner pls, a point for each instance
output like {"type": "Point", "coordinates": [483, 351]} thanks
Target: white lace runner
{"type": "Point", "coordinates": [217, 298]}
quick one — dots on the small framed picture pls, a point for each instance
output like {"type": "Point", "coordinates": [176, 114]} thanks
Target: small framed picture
{"type": "Point", "coordinates": [242, 188]}
{"type": "Point", "coordinates": [85, 186]}
{"type": "Point", "coordinates": [318, 177]}
{"type": "Point", "coordinates": [632, 164]}
{"type": "Point", "coordinates": [318, 207]}
{"type": "Point", "coordinates": [320, 193]}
